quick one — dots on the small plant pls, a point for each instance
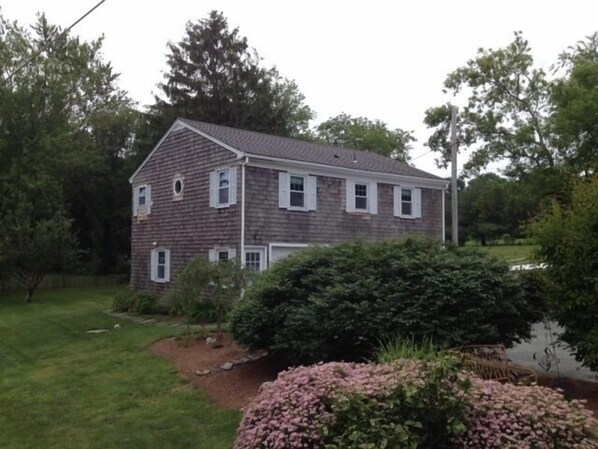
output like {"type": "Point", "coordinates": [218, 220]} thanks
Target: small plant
{"type": "Point", "coordinates": [391, 350]}
{"type": "Point", "coordinates": [137, 302]}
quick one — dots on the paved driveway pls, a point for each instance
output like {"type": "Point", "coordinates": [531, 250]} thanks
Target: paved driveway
{"type": "Point", "coordinates": [536, 356]}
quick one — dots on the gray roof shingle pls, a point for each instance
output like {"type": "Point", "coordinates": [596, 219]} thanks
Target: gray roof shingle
{"type": "Point", "coordinates": [259, 144]}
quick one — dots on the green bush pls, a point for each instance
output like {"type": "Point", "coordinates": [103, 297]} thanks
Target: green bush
{"type": "Point", "coordinates": [338, 302]}
{"type": "Point", "coordinates": [137, 302]}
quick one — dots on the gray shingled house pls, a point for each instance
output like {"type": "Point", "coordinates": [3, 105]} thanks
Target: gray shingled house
{"type": "Point", "coordinates": [232, 194]}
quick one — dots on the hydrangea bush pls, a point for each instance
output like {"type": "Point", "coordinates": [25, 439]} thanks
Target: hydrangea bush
{"type": "Point", "coordinates": [348, 405]}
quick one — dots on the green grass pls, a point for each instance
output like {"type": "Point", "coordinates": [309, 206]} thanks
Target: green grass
{"type": "Point", "coordinates": [512, 253]}
{"type": "Point", "coordinates": [63, 388]}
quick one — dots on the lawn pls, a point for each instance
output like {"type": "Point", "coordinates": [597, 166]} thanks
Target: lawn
{"type": "Point", "coordinates": [63, 388]}
{"type": "Point", "coordinates": [512, 253]}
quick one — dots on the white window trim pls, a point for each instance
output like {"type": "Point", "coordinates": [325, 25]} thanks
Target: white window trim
{"type": "Point", "coordinates": [144, 209]}
{"type": "Point", "coordinates": [372, 196]}
{"type": "Point", "coordinates": [262, 250]}
{"type": "Point", "coordinates": [214, 191]}
{"type": "Point", "coordinates": [177, 178]}
{"type": "Point", "coordinates": [310, 191]}
{"type": "Point", "coordinates": [213, 254]}
{"type": "Point", "coordinates": [154, 265]}
{"type": "Point", "coordinates": [416, 205]}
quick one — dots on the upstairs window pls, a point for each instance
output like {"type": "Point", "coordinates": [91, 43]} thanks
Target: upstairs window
{"type": "Point", "coordinates": [297, 191]}
{"type": "Point", "coordinates": [223, 187]}
{"type": "Point", "coordinates": [362, 196]}
{"type": "Point", "coordinates": [142, 200]}
{"type": "Point", "coordinates": [407, 202]}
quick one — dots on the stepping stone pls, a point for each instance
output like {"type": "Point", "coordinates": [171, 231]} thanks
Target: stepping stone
{"type": "Point", "coordinates": [226, 366]}
{"type": "Point", "coordinates": [244, 359]}
{"type": "Point", "coordinates": [151, 320]}
{"type": "Point", "coordinates": [202, 373]}
{"type": "Point", "coordinates": [96, 331]}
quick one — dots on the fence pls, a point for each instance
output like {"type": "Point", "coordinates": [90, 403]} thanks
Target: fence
{"type": "Point", "coordinates": [68, 280]}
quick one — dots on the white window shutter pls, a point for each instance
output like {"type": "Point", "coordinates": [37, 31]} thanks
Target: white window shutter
{"type": "Point", "coordinates": [312, 193]}
{"type": "Point", "coordinates": [148, 199]}
{"type": "Point", "coordinates": [373, 197]}
{"type": "Point", "coordinates": [212, 255]}
{"type": "Point", "coordinates": [350, 186]}
{"type": "Point", "coordinates": [232, 254]}
{"type": "Point", "coordinates": [213, 189]}
{"type": "Point", "coordinates": [232, 197]}
{"type": "Point", "coordinates": [283, 190]}
{"type": "Point", "coordinates": [166, 265]}
{"type": "Point", "coordinates": [135, 200]}
{"type": "Point", "coordinates": [397, 201]}
{"type": "Point", "coordinates": [153, 264]}
{"type": "Point", "coordinates": [417, 203]}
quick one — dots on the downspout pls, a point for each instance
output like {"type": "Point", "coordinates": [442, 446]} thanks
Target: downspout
{"type": "Point", "coordinates": [242, 255]}
{"type": "Point", "coordinates": [443, 218]}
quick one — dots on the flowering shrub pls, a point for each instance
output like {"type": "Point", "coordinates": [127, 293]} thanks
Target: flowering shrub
{"type": "Point", "coordinates": [508, 417]}
{"type": "Point", "coordinates": [313, 406]}
{"type": "Point", "coordinates": [409, 404]}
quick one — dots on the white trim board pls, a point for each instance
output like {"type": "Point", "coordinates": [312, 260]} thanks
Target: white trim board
{"type": "Point", "coordinates": [284, 245]}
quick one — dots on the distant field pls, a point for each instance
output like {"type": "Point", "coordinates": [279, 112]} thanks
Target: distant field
{"type": "Point", "coordinates": [512, 253]}
{"type": "Point", "coordinates": [63, 388]}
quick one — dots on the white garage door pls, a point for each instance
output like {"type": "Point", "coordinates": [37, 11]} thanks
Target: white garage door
{"type": "Point", "coordinates": [278, 252]}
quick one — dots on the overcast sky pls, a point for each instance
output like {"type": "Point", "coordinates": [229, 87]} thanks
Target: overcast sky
{"type": "Point", "coordinates": [379, 59]}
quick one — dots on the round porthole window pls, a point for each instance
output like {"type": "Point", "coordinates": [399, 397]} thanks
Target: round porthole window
{"type": "Point", "coordinates": [178, 187]}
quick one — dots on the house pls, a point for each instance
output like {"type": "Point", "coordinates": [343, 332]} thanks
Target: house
{"type": "Point", "coordinates": [232, 194]}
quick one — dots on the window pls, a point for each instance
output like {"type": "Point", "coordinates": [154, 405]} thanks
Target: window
{"type": "Point", "coordinates": [297, 190]}
{"type": "Point", "coordinates": [160, 265]}
{"type": "Point", "coordinates": [406, 202]}
{"type": "Point", "coordinates": [255, 259]}
{"type": "Point", "coordinates": [177, 186]}
{"type": "Point", "coordinates": [361, 196]}
{"type": "Point", "coordinates": [222, 254]}
{"type": "Point", "coordinates": [223, 187]}
{"type": "Point", "coordinates": [142, 201]}
{"type": "Point", "coordinates": [141, 196]}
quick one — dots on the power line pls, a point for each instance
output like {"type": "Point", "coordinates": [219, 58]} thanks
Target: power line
{"type": "Point", "coordinates": [421, 155]}
{"type": "Point", "coordinates": [36, 54]}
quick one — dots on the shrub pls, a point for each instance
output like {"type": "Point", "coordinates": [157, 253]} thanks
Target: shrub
{"type": "Point", "coordinates": [207, 287]}
{"type": "Point", "coordinates": [502, 416]}
{"type": "Point", "coordinates": [338, 302]}
{"type": "Point", "coordinates": [137, 302]}
{"type": "Point", "coordinates": [324, 406]}
{"type": "Point", "coordinates": [567, 239]}
{"type": "Point", "coordinates": [409, 404]}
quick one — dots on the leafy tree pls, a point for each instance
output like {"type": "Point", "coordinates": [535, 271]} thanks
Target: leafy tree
{"type": "Point", "coordinates": [567, 239]}
{"type": "Point", "coordinates": [506, 115]}
{"type": "Point", "coordinates": [56, 113]}
{"type": "Point", "coordinates": [215, 76]}
{"type": "Point", "coordinates": [365, 134]}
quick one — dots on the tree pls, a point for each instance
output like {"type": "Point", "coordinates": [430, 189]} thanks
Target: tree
{"type": "Point", "coordinates": [215, 76]}
{"type": "Point", "coordinates": [56, 113]}
{"type": "Point", "coordinates": [506, 115]}
{"type": "Point", "coordinates": [365, 134]}
{"type": "Point", "coordinates": [566, 236]}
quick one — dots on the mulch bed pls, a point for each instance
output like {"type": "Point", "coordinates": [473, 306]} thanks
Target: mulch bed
{"type": "Point", "coordinates": [232, 389]}
{"type": "Point", "coordinates": [236, 388]}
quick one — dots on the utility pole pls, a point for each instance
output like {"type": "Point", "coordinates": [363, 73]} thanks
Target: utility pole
{"type": "Point", "coordinates": [454, 199]}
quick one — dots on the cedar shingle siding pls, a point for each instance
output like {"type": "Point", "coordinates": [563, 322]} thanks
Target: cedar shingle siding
{"type": "Point", "coordinates": [188, 227]}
